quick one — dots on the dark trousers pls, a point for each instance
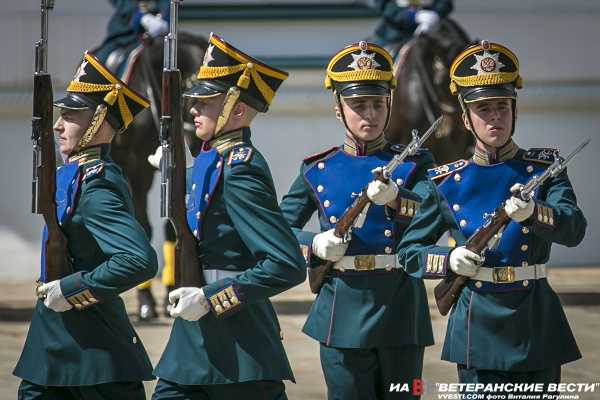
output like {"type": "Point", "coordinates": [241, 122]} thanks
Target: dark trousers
{"type": "Point", "coordinates": [105, 391]}
{"type": "Point", "coordinates": [367, 374]}
{"type": "Point", "coordinates": [472, 375]}
{"type": "Point", "coordinates": [254, 390]}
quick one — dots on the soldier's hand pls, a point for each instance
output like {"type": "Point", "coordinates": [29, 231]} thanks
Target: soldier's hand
{"type": "Point", "coordinates": [426, 20]}
{"type": "Point", "coordinates": [53, 297]}
{"type": "Point", "coordinates": [516, 208]}
{"type": "Point", "coordinates": [154, 25]}
{"type": "Point", "coordinates": [154, 159]}
{"type": "Point", "coordinates": [329, 247]}
{"type": "Point", "coordinates": [464, 262]}
{"type": "Point", "coordinates": [189, 303]}
{"type": "Point", "coordinates": [382, 193]}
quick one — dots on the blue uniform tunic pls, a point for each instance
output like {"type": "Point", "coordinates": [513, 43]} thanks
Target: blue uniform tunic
{"type": "Point", "coordinates": [517, 326]}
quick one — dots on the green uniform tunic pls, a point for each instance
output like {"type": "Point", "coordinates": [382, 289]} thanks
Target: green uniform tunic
{"type": "Point", "coordinates": [110, 254]}
{"type": "Point", "coordinates": [233, 212]}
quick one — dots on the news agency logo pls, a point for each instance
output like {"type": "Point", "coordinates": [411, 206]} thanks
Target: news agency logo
{"type": "Point", "coordinates": [415, 388]}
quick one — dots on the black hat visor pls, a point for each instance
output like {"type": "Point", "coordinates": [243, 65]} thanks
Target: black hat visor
{"type": "Point", "coordinates": [480, 93]}
{"type": "Point", "coordinates": [73, 102]}
{"type": "Point", "coordinates": [363, 89]}
{"type": "Point", "coordinates": [206, 88]}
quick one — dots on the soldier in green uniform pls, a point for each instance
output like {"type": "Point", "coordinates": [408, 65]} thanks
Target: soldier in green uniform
{"type": "Point", "coordinates": [225, 342]}
{"type": "Point", "coordinates": [508, 324]}
{"type": "Point", "coordinates": [371, 316]}
{"type": "Point", "coordinates": [81, 344]}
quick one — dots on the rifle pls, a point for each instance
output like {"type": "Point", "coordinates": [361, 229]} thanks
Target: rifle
{"type": "Point", "coordinates": [355, 215]}
{"type": "Point", "coordinates": [488, 235]}
{"type": "Point", "coordinates": [57, 261]}
{"type": "Point", "coordinates": [172, 168]}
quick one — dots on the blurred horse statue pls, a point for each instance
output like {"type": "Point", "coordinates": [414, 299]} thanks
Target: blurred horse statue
{"type": "Point", "coordinates": [131, 150]}
{"type": "Point", "coordinates": [422, 94]}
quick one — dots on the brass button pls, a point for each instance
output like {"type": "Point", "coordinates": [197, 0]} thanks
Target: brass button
{"type": "Point", "coordinates": [525, 230]}
{"type": "Point", "coordinates": [478, 284]}
{"type": "Point", "coordinates": [194, 186]}
{"type": "Point", "coordinates": [333, 219]}
{"type": "Point", "coordinates": [524, 264]}
{"type": "Point", "coordinates": [219, 164]}
{"type": "Point", "coordinates": [388, 250]}
{"type": "Point", "coordinates": [525, 282]}
{"type": "Point", "coordinates": [530, 168]}
{"type": "Point", "coordinates": [198, 215]}
{"type": "Point", "coordinates": [399, 182]}
{"type": "Point", "coordinates": [320, 188]}
{"type": "Point", "coordinates": [457, 177]}
{"type": "Point", "coordinates": [456, 208]}
{"type": "Point", "coordinates": [196, 232]}
{"type": "Point", "coordinates": [463, 223]}
{"type": "Point", "coordinates": [134, 340]}
{"type": "Point", "coordinates": [321, 165]}
{"type": "Point", "coordinates": [387, 233]}
{"type": "Point", "coordinates": [206, 197]}
{"type": "Point", "coordinates": [524, 247]}
{"type": "Point", "coordinates": [326, 203]}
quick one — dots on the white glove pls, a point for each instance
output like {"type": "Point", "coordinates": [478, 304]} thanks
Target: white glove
{"type": "Point", "coordinates": [426, 20]}
{"type": "Point", "coordinates": [329, 247]}
{"type": "Point", "coordinates": [191, 303]}
{"type": "Point", "coordinates": [154, 25]}
{"type": "Point", "coordinates": [517, 209]}
{"type": "Point", "coordinates": [154, 159]}
{"type": "Point", "coordinates": [53, 297]}
{"type": "Point", "coordinates": [465, 262]}
{"type": "Point", "coordinates": [382, 193]}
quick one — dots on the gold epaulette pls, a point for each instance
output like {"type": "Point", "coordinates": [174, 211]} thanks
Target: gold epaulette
{"type": "Point", "coordinates": [447, 169]}
{"type": "Point", "coordinates": [540, 155]}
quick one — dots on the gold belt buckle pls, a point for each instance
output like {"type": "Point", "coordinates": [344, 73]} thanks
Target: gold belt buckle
{"type": "Point", "coordinates": [504, 275]}
{"type": "Point", "coordinates": [364, 262]}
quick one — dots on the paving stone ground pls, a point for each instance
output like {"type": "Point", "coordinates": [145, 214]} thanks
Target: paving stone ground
{"type": "Point", "coordinates": [579, 289]}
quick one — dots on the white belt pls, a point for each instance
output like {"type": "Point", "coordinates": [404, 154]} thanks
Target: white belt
{"type": "Point", "coordinates": [510, 274]}
{"type": "Point", "coordinates": [213, 275]}
{"type": "Point", "coordinates": [368, 263]}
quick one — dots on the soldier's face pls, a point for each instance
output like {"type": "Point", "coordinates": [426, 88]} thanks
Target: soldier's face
{"type": "Point", "coordinates": [492, 120]}
{"type": "Point", "coordinates": [365, 116]}
{"type": "Point", "coordinates": [70, 127]}
{"type": "Point", "coordinates": [206, 113]}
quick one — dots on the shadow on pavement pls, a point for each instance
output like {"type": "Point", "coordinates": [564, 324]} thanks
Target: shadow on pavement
{"type": "Point", "coordinates": [289, 307]}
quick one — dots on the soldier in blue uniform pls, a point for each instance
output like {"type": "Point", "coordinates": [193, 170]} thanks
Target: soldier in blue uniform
{"type": "Point", "coordinates": [81, 344]}
{"type": "Point", "coordinates": [508, 324]}
{"type": "Point", "coordinates": [401, 19]}
{"type": "Point", "coordinates": [225, 342]}
{"type": "Point", "coordinates": [371, 316]}
{"type": "Point", "coordinates": [131, 19]}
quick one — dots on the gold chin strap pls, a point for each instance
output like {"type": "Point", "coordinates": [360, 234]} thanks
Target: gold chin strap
{"type": "Point", "coordinates": [96, 122]}
{"type": "Point", "coordinates": [233, 94]}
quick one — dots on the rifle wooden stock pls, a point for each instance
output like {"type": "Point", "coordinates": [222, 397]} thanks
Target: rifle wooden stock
{"type": "Point", "coordinates": [447, 291]}
{"type": "Point", "coordinates": [318, 274]}
{"type": "Point", "coordinates": [58, 261]}
{"type": "Point", "coordinates": [187, 270]}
